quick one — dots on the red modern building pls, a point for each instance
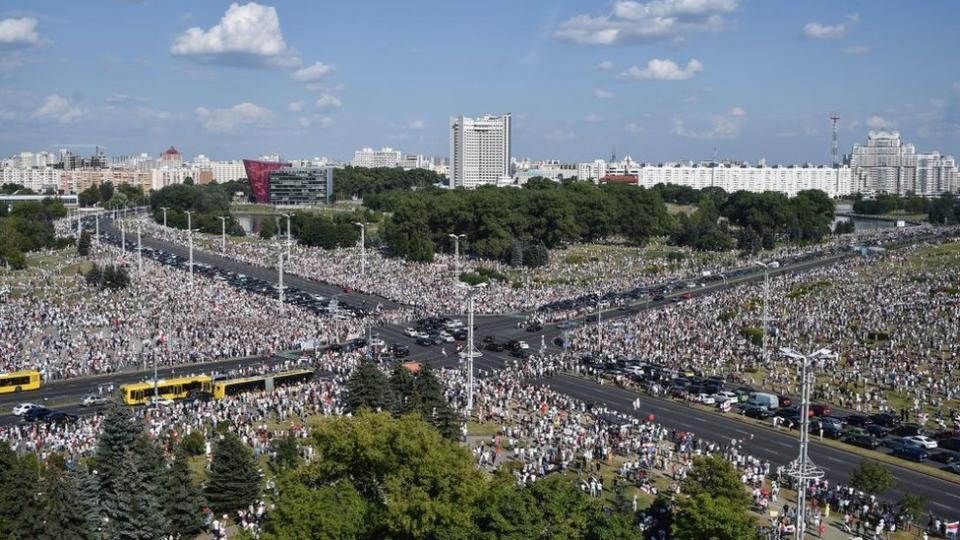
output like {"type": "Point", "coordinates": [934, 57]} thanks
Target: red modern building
{"type": "Point", "coordinates": [258, 172]}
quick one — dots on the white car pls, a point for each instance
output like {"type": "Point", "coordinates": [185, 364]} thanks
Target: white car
{"type": "Point", "coordinates": [22, 408]}
{"type": "Point", "coordinates": [377, 342]}
{"type": "Point", "coordinates": [923, 441]}
{"type": "Point", "coordinates": [524, 345]}
{"type": "Point", "coordinates": [92, 400]}
{"type": "Point", "coordinates": [706, 399]}
{"type": "Point", "coordinates": [725, 396]}
{"type": "Point", "coordinates": [410, 332]}
{"type": "Point", "coordinates": [446, 337]}
{"type": "Point", "coordinates": [161, 401]}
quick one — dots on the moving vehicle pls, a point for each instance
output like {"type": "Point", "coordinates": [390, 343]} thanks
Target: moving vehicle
{"type": "Point", "coordinates": [400, 351]}
{"type": "Point", "coordinates": [818, 409]}
{"type": "Point", "coordinates": [19, 381]}
{"type": "Point", "coordinates": [410, 332]}
{"type": "Point", "coordinates": [36, 413]}
{"type": "Point", "coordinates": [912, 453]}
{"type": "Point", "coordinates": [265, 383]}
{"type": "Point", "coordinates": [178, 388]}
{"type": "Point", "coordinates": [863, 441]}
{"type": "Point", "coordinates": [93, 400]}
{"type": "Point", "coordinates": [23, 408]}
{"type": "Point", "coordinates": [58, 417]}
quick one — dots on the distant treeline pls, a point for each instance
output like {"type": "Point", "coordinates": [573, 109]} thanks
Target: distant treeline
{"type": "Point", "coordinates": [360, 182]}
{"type": "Point", "coordinates": [941, 210]}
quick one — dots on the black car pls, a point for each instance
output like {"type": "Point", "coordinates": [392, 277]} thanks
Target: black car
{"type": "Point", "coordinates": [534, 327]}
{"type": "Point", "coordinates": [886, 420]}
{"type": "Point", "coordinates": [36, 413]}
{"type": "Point", "coordinates": [863, 441]}
{"type": "Point", "coordinates": [877, 430]}
{"type": "Point", "coordinates": [400, 351]}
{"type": "Point", "coordinates": [946, 457]}
{"type": "Point", "coordinates": [520, 353]}
{"type": "Point", "coordinates": [907, 430]}
{"type": "Point", "coordinates": [424, 341]}
{"type": "Point", "coordinates": [58, 417]}
{"type": "Point", "coordinates": [760, 413]}
{"type": "Point", "coordinates": [460, 334]}
{"type": "Point", "coordinates": [494, 346]}
{"type": "Point", "coordinates": [950, 444]}
{"type": "Point", "coordinates": [830, 431]}
{"type": "Point", "coordinates": [857, 420]}
{"type": "Point", "coordinates": [489, 339]}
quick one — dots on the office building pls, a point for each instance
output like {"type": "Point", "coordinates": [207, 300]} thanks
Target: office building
{"type": "Point", "coordinates": [301, 186]}
{"type": "Point", "coordinates": [479, 151]}
{"type": "Point", "coordinates": [885, 164]}
{"type": "Point", "coordinates": [368, 157]}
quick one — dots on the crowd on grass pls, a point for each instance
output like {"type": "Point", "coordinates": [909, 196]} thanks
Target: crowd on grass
{"type": "Point", "coordinates": [891, 318]}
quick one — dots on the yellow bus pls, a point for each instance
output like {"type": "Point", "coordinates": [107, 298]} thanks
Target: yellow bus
{"type": "Point", "coordinates": [18, 381]}
{"type": "Point", "coordinates": [230, 387]}
{"type": "Point", "coordinates": [179, 388]}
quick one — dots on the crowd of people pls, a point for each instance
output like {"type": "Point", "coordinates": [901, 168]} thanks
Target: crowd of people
{"type": "Point", "coordinates": [67, 328]}
{"type": "Point", "coordinates": [891, 323]}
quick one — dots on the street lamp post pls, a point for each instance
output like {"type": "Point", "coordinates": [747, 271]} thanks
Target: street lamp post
{"type": "Point", "coordinates": [280, 282]}
{"type": "Point", "coordinates": [456, 249]}
{"type": "Point", "coordinates": [471, 351]}
{"type": "Point", "coordinates": [189, 213]}
{"type": "Point", "coordinates": [223, 234]}
{"type": "Point", "coordinates": [289, 240]}
{"type": "Point", "coordinates": [139, 251]}
{"type": "Point", "coordinates": [765, 322]}
{"type": "Point", "coordinates": [363, 249]}
{"type": "Point", "coordinates": [123, 237]}
{"type": "Point", "coordinates": [803, 468]}
{"type": "Point", "coordinates": [96, 218]}
{"type": "Point", "coordinates": [164, 208]}
{"type": "Point", "coordinates": [599, 329]}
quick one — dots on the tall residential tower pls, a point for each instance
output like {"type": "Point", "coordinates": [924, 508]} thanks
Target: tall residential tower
{"type": "Point", "coordinates": [479, 150]}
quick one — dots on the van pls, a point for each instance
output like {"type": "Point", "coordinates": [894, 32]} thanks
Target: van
{"type": "Point", "coordinates": [762, 399]}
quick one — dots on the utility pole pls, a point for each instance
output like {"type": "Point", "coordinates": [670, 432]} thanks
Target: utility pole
{"type": "Point", "coordinates": [765, 323]}
{"type": "Point", "coordinates": [139, 252]}
{"type": "Point", "coordinates": [123, 237]}
{"type": "Point", "coordinates": [456, 249]}
{"type": "Point", "coordinates": [363, 248]}
{"type": "Point", "coordinates": [289, 240]}
{"type": "Point", "coordinates": [190, 237]}
{"type": "Point", "coordinates": [223, 234]}
{"type": "Point", "coordinates": [803, 468]}
{"type": "Point", "coordinates": [164, 208]}
{"type": "Point", "coordinates": [96, 236]}
{"type": "Point", "coordinates": [280, 282]}
{"type": "Point", "coordinates": [599, 330]}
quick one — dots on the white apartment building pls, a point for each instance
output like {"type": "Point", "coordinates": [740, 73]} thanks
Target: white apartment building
{"type": "Point", "coordinates": [479, 150]}
{"type": "Point", "coordinates": [39, 179]}
{"type": "Point", "coordinates": [162, 177]}
{"type": "Point", "coordinates": [788, 180]}
{"type": "Point", "coordinates": [368, 157]}
{"type": "Point", "coordinates": [416, 161]}
{"type": "Point", "coordinates": [226, 171]}
{"type": "Point", "coordinates": [885, 164]}
{"type": "Point", "coordinates": [592, 171]}
{"type": "Point", "coordinates": [77, 180]}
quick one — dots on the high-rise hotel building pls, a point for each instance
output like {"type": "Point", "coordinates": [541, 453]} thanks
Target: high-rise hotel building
{"type": "Point", "coordinates": [479, 150]}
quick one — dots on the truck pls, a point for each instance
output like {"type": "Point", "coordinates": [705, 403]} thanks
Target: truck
{"type": "Point", "coordinates": [764, 400]}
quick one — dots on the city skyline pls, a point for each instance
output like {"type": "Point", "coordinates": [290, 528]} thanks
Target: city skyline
{"type": "Point", "coordinates": [662, 80]}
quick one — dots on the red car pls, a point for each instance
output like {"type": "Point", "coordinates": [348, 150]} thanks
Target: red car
{"type": "Point", "coordinates": [687, 296]}
{"type": "Point", "coordinates": [785, 401]}
{"type": "Point", "coordinates": [819, 410]}
{"type": "Point", "coordinates": [348, 290]}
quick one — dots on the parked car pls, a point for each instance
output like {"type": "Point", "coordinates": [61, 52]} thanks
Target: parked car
{"type": "Point", "coordinates": [706, 399]}
{"type": "Point", "coordinates": [886, 420]}
{"type": "Point", "coordinates": [907, 430]}
{"type": "Point", "coordinates": [785, 401]}
{"type": "Point", "coordinates": [534, 327]}
{"type": "Point", "coordinates": [924, 441]}
{"type": "Point", "coordinates": [58, 417]}
{"type": "Point", "coordinates": [950, 444]}
{"type": "Point", "coordinates": [36, 413]}
{"type": "Point", "coordinates": [725, 396]}
{"type": "Point", "coordinates": [818, 409]}
{"type": "Point", "coordinates": [953, 467]}
{"type": "Point", "coordinates": [946, 457]}
{"type": "Point", "coordinates": [828, 430]}
{"type": "Point", "coordinates": [400, 351]}
{"type": "Point", "coordinates": [912, 453]}
{"type": "Point", "coordinates": [857, 420]}
{"type": "Point", "coordinates": [759, 413]}
{"type": "Point", "coordinates": [93, 400]}
{"type": "Point", "coordinates": [424, 341]}
{"type": "Point", "coordinates": [410, 332]}
{"type": "Point", "coordinates": [763, 399]}
{"type": "Point", "coordinates": [863, 441]}
{"type": "Point", "coordinates": [895, 443]}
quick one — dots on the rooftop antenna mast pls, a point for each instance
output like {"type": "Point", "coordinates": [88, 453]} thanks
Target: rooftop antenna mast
{"type": "Point", "coordinates": [834, 145]}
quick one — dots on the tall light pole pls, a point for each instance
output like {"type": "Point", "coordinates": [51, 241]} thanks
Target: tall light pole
{"type": "Point", "coordinates": [599, 329]}
{"type": "Point", "coordinates": [223, 234]}
{"type": "Point", "coordinates": [139, 252]}
{"type": "Point", "coordinates": [280, 281]}
{"type": "Point", "coordinates": [471, 351]}
{"type": "Point", "coordinates": [123, 237]}
{"type": "Point", "coordinates": [189, 213]}
{"type": "Point", "coordinates": [363, 248]}
{"type": "Point", "coordinates": [803, 468]}
{"type": "Point", "coordinates": [289, 241]}
{"type": "Point", "coordinates": [164, 208]}
{"type": "Point", "coordinates": [456, 249]}
{"type": "Point", "coordinates": [765, 322]}
{"type": "Point", "coordinates": [96, 218]}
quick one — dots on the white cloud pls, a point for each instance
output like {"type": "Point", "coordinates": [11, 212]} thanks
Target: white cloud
{"type": "Point", "coordinates": [295, 106]}
{"type": "Point", "coordinates": [606, 65]}
{"type": "Point", "coordinates": [633, 128]}
{"type": "Point", "coordinates": [327, 101]}
{"type": "Point", "coordinates": [593, 118]}
{"type": "Point", "coordinates": [59, 108]}
{"type": "Point", "coordinates": [956, 86]}
{"type": "Point", "coordinates": [154, 115]}
{"type": "Point", "coordinates": [662, 70]}
{"type": "Point", "coordinates": [315, 120]}
{"type": "Point", "coordinates": [417, 124]}
{"type": "Point", "coordinates": [18, 33]}
{"type": "Point", "coordinates": [311, 73]}
{"type": "Point", "coordinates": [247, 35]}
{"type": "Point", "coordinates": [639, 22]}
{"type": "Point", "coordinates": [938, 103]}
{"type": "Point", "coordinates": [123, 99]}
{"type": "Point", "coordinates": [816, 30]}
{"type": "Point", "coordinates": [600, 93]}
{"type": "Point", "coordinates": [727, 126]}
{"type": "Point", "coordinates": [878, 122]}
{"type": "Point", "coordinates": [557, 135]}
{"type": "Point", "coordinates": [857, 49]}
{"type": "Point", "coordinates": [235, 118]}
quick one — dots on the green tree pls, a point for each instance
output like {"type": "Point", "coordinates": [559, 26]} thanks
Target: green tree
{"type": "Point", "coordinates": [194, 443]}
{"type": "Point", "coordinates": [182, 500]}
{"type": "Point", "coordinates": [21, 508]}
{"type": "Point", "coordinates": [106, 191]}
{"type": "Point", "coordinates": [234, 481]}
{"type": "Point", "coordinates": [369, 387]}
{"type": "Point", "coordinates": [702, 517]}
{"type": "Point", "coordinates": [137, 513]}
{"type": "Point", "coordinates": [88, 488]}
{"type": "Point", "coordinates": [119, 431]}
{"type": "Point", "coordinates": [66, 514]}
{"type": "Point", "coordinates": [89, 196]}
{"type": "Point", "coordinates": [431, 401]}
{"type": "Point", "coordinates": [871, 477]}
{"type": "Point", "coordinates": [287, 450]}
{"type": "Point", "coordinates": [716, 477]}
{"type": "Point", "coordinates": [327, 512]}
{"type": "Point", "coordinates": [401, 382]}
{"type": "Point", "coordinates": [417, 484]}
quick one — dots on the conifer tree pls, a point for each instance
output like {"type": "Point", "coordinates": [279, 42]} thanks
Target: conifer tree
{"type": "Point", "coordinates": [21, 512]}
{"type": "Point", "coordinates": [183, 501]}
{"type": "Point", "coordinates": [401, 383]}
{"type": "Point", "coordinates": [137, 514]}
{"type": "Point", "coordinates": [369, 387]}
{"type": "Point", "coordinates": [120, 430]}
{"type": "Point", "coordinates": [234, 479]}
{"type": "Point", "coordinates": [88, 487]}
{"type": "Point", "coordinates": [64, 511]}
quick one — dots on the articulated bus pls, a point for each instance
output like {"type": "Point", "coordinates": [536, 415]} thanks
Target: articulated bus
{"type": "Point", "coordinates": [267, 382]}
{"type": "Point", "coordinates": [179, 388]}
{"type": "Point", "coordinates": [19, 381]}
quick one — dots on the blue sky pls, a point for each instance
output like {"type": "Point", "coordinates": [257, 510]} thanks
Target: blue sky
{"type": "Point", "coordinates": [659, 80]}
